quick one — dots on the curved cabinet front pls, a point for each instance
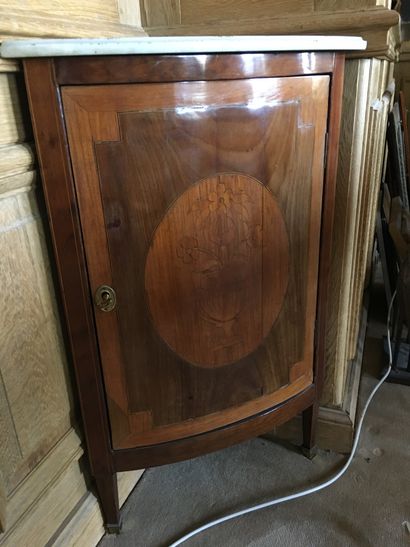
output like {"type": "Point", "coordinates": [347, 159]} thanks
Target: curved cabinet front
{"type": "Point", "coordinates": [200, 205]}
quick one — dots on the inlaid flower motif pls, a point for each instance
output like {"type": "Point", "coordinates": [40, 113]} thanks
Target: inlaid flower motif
{"type": "Point", "coordinates": [256, 236]}
{"type": "Point", "coordinates": [217, 236]}
{"type": "Point", "coordinates": [221, 198]}
{"type": "Point", "coordinates": [187, 250]}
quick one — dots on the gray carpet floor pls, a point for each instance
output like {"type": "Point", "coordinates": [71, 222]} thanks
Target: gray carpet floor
{"type": "Point", "coordinates": [368, 507]}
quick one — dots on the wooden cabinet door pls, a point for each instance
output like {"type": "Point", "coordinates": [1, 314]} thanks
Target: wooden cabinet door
{"type": "Point", "coordinates": [200, 205]}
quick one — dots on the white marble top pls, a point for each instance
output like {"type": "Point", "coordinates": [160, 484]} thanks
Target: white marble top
{"type": "Point", "coordinates": [176, 44]}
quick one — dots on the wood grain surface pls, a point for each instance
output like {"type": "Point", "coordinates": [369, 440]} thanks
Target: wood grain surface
{"type": "Point", "coordinates": [177, 450]}
{"type": "Point", "coordinates": [372, 22]}
{"type": "Point", "coordinates": [14, 125]}
{"type": "Point", "coordinates": [35, 401]}
{"type": "Point", "coordinates": [176, 68]}
{"type": "Point", "coordinates": [160, 12]}
{"type": "Point", "coordinates": [70, 19]}
{"type": "Point", "coordinates": [371, 173]}
{"type": "Point", "coordinates": [63, 217]}
{"type": "Point", "coordinates": [214, 11]}
{"type": "Point", "coordinates": [222, 252]}
{"type": "Point", "coordinates": [168, 137]}
{"type": "Point", "coordinates": [110, 123]}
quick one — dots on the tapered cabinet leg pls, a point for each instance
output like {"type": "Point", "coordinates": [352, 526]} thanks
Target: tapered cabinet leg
{"type": "Point", "coordinates": [108, 493]}
{"type": "Point", "coordinates": [309, 418]}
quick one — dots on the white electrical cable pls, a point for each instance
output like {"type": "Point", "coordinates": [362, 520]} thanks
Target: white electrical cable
{"type": "Point", "coordinates": [314, 489]}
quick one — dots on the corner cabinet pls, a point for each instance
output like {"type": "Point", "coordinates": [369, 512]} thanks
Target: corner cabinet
{"type": "Point", "coordinates": [190, 200]}
{"type": "Point", "coordinates": [200, 206]}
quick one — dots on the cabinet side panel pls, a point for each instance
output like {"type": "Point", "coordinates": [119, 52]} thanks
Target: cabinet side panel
{"type": "Point", "coordinates": [51, 146]}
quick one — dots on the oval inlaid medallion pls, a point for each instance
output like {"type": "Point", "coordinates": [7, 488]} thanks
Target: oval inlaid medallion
{"type": "Point", "coordinates": [217, 270]}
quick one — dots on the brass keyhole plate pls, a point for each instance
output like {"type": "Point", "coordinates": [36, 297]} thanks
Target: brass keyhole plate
{"type": "Point", "coordinates": [105, 298]}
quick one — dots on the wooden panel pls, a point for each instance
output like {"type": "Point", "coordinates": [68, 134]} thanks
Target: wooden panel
{"type": "Point", "coordinates": [66, 450]}
{"type": "Point", "coordinates": [163, 13]}
{"type": "Point", "coordinates": [151, 456]}
{"type": "Point", "coordinates": [103, 10]}
{"type": "Point", "coordinates": [140, 132]}
{"type": "Point", "coordinates": [9, 65]}
{"type": "Point", "coordinates": [22, 22]}
{"type": "Point", "coordinates": [14, 117]}
{"type": "Point", "coordinates": [86, 526]}
{"type": "Point", "coordinates": [57, 503]}
{"type": "Point", "coordinates": [32, 357]}
{"type": "Point", "coordinates": [211, 10]}
{"type": "Point", "coordinates": [63, 216]}
{"type": "Point", "coordinates": [328, 5]}
{"type": "Point", "coordinates": [379, 108]}
{"type": "Point", "coordinates": [3, 506]}
{"type": "Point", "coordinates": [58, 486]}
{"type": "Point", "coordinates": [327, 22]}
{"type": "Point", "coordinates": [10, 451]}
{"type": "Point", "coordinates": [363, 131]}
{"type": "Point", "coordinates": [328, 218]}
{"type": "Point", "coordinates": [129, 12]}
{"type": "Point", "coordinates": [166, 68]}
{"type": "Point", "coordinates": [372, 23]}
{"type": "Point", "coordinates": [347, 188]}
{"type": "Point", "coordinates": [215, 276]}
{"type": "Point", "coordinates": [17, 183]}
{"type": "Point", "coordinates": [15, 159]}
{"type": "Point", "coordinates": [31, 343]}
{"type": "Point", "coordinates": [354, 292]}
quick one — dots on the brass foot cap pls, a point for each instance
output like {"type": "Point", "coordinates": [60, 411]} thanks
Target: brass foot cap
{"type": "Point", "coordinates": [309, 453]}
{"type": "Point", "coordinates": [113, 528]}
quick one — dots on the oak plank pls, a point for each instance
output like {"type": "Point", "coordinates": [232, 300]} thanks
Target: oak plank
{"type": "Point", "coordinates": [14, 125]}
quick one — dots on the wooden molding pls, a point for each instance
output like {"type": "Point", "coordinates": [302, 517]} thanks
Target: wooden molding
{"type": "Point", "coordinates": [14, 125]}
{"type": "Point", "coordinates": [86, 526]}
{"type": "Point", "coordinates": [30, 493]}
{"type": "Point", "coordinates": [9, 65]}
{"type": "Point", "coordinates": [129, 12]}
{"type": "Point", "coordinates": [164, 13]}
{"type": "Point", "coordinates": [21, 182]}
{"type": "Point", "coordinates": [404, 55]}
{"type": "Point", "coordinates": [16, 159]}
{"type": "Point", "coordinates": [54, 504]}
{"type": "Point", "coordinates": [353, 139]}
{"type": "Point", "coordinates": [362, 134]}
{"type": "Point", "coordinates": [3, 506]}
{"type": "Point", "coordinates": [378, 109]}
{"type": "Point", "coordinates": [20, 22]}
{"type": "Point", "coordinates": [372, 24]}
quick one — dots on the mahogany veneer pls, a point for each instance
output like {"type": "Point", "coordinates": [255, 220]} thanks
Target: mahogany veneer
{"type": "Point", "coordinates": [200, 189]}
